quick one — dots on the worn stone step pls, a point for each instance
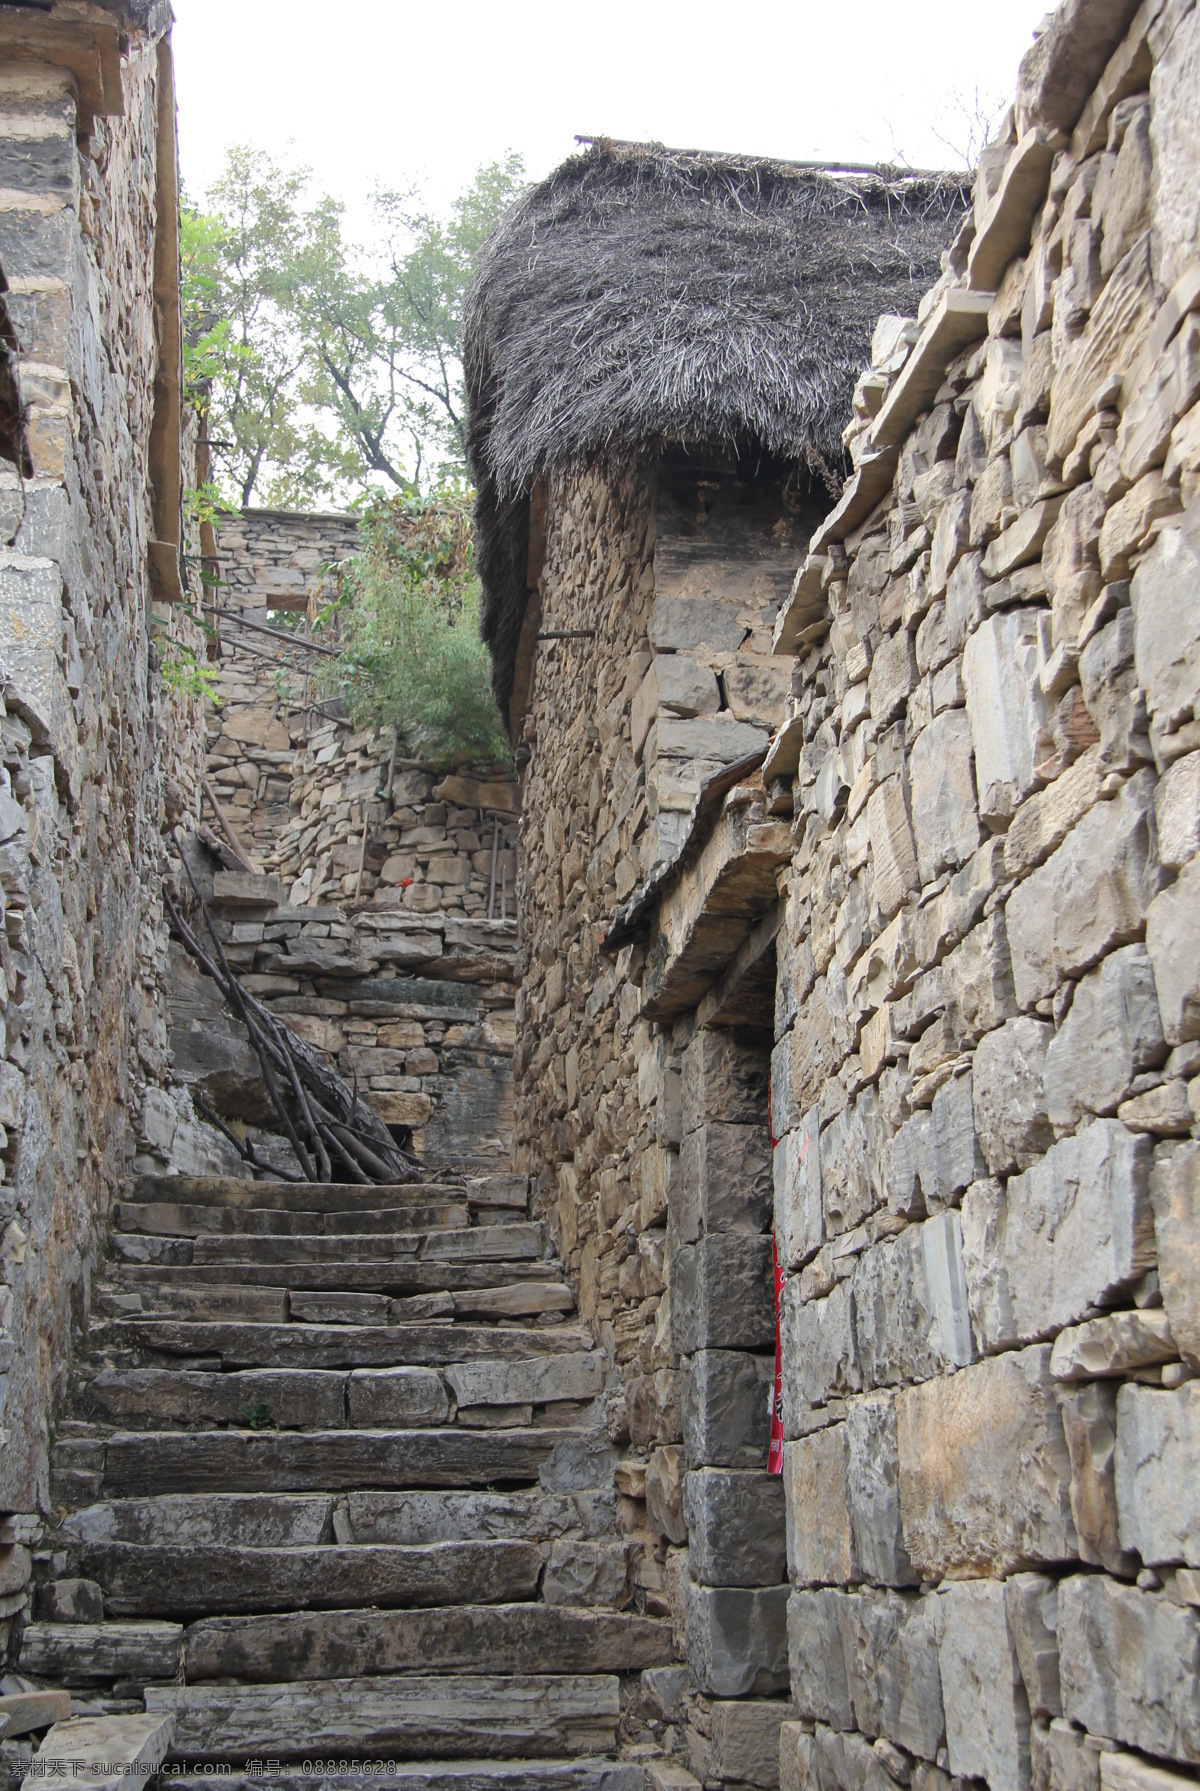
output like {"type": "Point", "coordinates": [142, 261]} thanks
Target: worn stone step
{"type": "Point", "coordinates": [481, 1243]}
{"type": "Point", "coordinates": [505, 1638]}
{"type": "Point", "coordinates": [105, 1752]}
{"type": "Point", "coordinates": [182, 1300]}
{"type": "Point", "coordinates": [218, 1520]}
{"type": "Point", "coordinates": [336, 1346]}
{"type": "Point", "coordinates": [307, 1399]}
{"type": "Point", "coordinates": [444, 1775]}
{"type": "Point", "coordinates": [442, 1716]}
{"type": "Point", "coordinates": [424, 1516]}
{"type": "Point", "coordinates": [361, 1276]}
{"type": "Point", "coordinates": [140, 1581]}
{"type": "Point", "coordinates": [164, 1218]}
{"type": "Point", "coordinates": [325, 1197]}
{"type": "Point", "coordinates": [138, 1463]}
{"type": "Point", "coordinates": [516, 1300]}
{"type": "Point", "coordinates": [93, 1653]}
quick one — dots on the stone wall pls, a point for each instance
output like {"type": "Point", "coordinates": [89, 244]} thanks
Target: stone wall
{"type": "Point", "coordinates": [984, 1082]}
{"type": "Point", "coordinates": [635, 1125]}
{"type": "Point", "coordinates": [100, 750]}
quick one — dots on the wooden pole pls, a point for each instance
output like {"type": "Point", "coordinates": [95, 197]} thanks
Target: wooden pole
{"type": "Point", "coordinates": [495, 856]}
{"type": "Point", "coordinates": [226, 827]}
{"type": "Point", "coordinates": [362, 857]}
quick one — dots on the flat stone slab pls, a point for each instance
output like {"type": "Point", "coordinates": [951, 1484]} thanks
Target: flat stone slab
{"type": "Point", "coordinates": [513, 1638]}
{"type": "Point", "coordinates": [87, 1653]}
{"type": "Point", "coordinates": [22, 1712]}
{"type": "Point", "coordinates": [213, 1520]}
{"type": "Point", "coordinates": [165, 1218]}
{"type": "Point", "coordinates": [442, 1716]}
{"type": "Point", "coordinates": [453, 1775]}
{"type": "Point", "coordinates": [293, 1398]}
{"type": "Point", "coordinates": [338, 1346]}
{"type": "Point", "coordinates": [103, 1752]}
{"type": "Point", "coordinates": [143, 1581]}
{"type": "Point", "coordinates": [143, 1462]}
{"type": "Point", "coordinates": [400, 1277]}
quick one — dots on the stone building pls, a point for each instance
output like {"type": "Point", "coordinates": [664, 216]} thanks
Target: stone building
{"type": "Point", "coordinates": [98, 754]}
{"type": "Point", "coordinates": [868, 917]}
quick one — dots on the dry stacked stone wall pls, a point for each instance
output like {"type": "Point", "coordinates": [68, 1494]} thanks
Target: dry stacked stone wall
{"type": "Point", "coordinates": [646, 1140]}
{"type": "Point", "coordinates": [986, 1076]}
{"type": "Point", "coordinates": [98, 756]}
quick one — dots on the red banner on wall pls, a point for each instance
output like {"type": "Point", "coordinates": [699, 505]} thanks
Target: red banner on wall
{"type": "Point", "coordinates": [775, 1453]}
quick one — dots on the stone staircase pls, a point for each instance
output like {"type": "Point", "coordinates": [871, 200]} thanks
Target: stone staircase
{"type": "Point", "coordinates": [336, 1488]}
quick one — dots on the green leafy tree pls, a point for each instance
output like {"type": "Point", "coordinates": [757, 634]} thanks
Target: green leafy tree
{"type": "Point", "coordinates": [330, 367]}
{"type": "Point", "coordinates": [407, 619]}
{"type": "Point", "coordinates": [384, 349]}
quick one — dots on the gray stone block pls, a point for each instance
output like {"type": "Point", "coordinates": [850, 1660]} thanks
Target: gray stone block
{"type": "Point", "coordinates": [799, 1219]}
{"type": "Point", "coordinates": [1112, 1032]}
{"type": "Point", "coordinates": [722, 1293]}
{"type": "Point", "coordinates": [1007, 1088]}
{"type": "Point", "coordinates": [873, 1488]}
{"type": "Point", "coordinates": [984, 1471]}
{"type": "Point", "coordinates": [1130, 1666]}
{"type": "Point", "coordinates": [795, 1757]}
{"type": "Point", "coordinates": [890, 1643]}
{"type": "Point", "coordinates": [1031, 1604]}
{"type": "Point", "coordinates": [745, 1742]}
{"type": "Point", "coordinates": [852, 1147]}
{"type": "Point", "coordinates": [942, 790]}
{"type": "Point", "coordinates": [819, 1678]}
{"type": "Point", "coordinates": [1091, 895]}
{"type": "Point", "coordinates": [736, 1527]}
{"type": "Point", "coordinates": [725, 1078]}
{"type": "Point", "coordinates": [664, 1493]}
{"type": "Point", "coordinates": [586, 1573]}
{"type": "Point", "coordinates": [820, 1356]}
{"type": "Point", "coordinates": [727, 1409]}
{"type": "Point", "coordinates": [1173, 942]}
{"type": "Point", "coordinates": [1167, 629]}
{"type": "Point", "coordinates": [820, 1545]}
{"type": "Point", "coordinates": [737, 1640]}
{"type": "Point", "coordinates": [1175, 1197]}
{"type": "Point", "coordinates": [987, 1714]}
{"type": "Point", "coordinates": [910, 1305]}
{"type": "Point", "coordinates": [1090, 1428]}
{"type": "Point", "coordinates": [1006, 710]}
{"type": "Point", "coordinates": [1158, 1486]}
{"type": "Point", "coordinates": [1064, 1237]}
{"type": "Point", "coordinates": [723, 1181]}
{"type": "Point", "coordinates": [953, 1157]}
{"type": "Point", "coordinates": [846, 1763]}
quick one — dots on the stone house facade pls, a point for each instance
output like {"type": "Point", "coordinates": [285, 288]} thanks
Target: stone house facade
{"type": "Point", "coordinates": [912, 983]}
{"type": "Point", "coordinates": [101, 750]}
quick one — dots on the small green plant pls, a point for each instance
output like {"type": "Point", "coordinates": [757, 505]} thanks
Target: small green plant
{"type": "Point", "coordinates": [407, 616]}
{"type": "Point", "coordinates": [257, 1417]}
{"type": "Point", "coordinates": [184, 672]}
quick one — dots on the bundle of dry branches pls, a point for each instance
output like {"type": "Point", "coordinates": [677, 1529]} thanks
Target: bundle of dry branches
{"type": "Point", "coordinates": [335, 1135]}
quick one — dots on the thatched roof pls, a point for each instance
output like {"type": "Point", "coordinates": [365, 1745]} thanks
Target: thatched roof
{"type": "Point", "coordinates": [643, 296]}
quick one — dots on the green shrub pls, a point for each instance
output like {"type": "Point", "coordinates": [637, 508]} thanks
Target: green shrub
{"type": "Point", "coordinates": [407, 617]}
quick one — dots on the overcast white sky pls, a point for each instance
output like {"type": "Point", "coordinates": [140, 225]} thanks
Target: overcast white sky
{"type": "Point", "coordinates": [388, 92]}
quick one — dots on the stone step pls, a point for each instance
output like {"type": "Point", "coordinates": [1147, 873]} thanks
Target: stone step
{"type": "Point", "coordinates": [140, 1463]}
{"type": "Point", "coordinates": [444, 1775]}
{"type": "Point", "coordinates": [506, 1638]}
{"type": "Point", "coordinates": [362, 1276]}
{"type": "Point", "coordinates": [208, 1304]}
{"type": "Point", "coordinates": [237, 1345]}
{"type": "Point", "coordinates": [325, 1399]}
{"type": "Point", "coordinates": [480, 1243]}
{"type": "Point", "coordinates": [93, 1653]}
{"type": "Point", "coordinates": [140, 1581]}
{"type": "Point", "coordinates": [305, 1520]}
{"type": "Point", "coordinates": [446, 1716]}
{"type": "Point", "coordinates": [164, 1218]}
{"type": "Point", "coordinates": [325, 1197]}
{"type": "Point", "coordinates": [220, 1520]}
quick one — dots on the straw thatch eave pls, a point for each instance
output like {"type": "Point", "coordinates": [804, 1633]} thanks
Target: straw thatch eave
{"type": "Point", "coordinates": [641, 297]}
